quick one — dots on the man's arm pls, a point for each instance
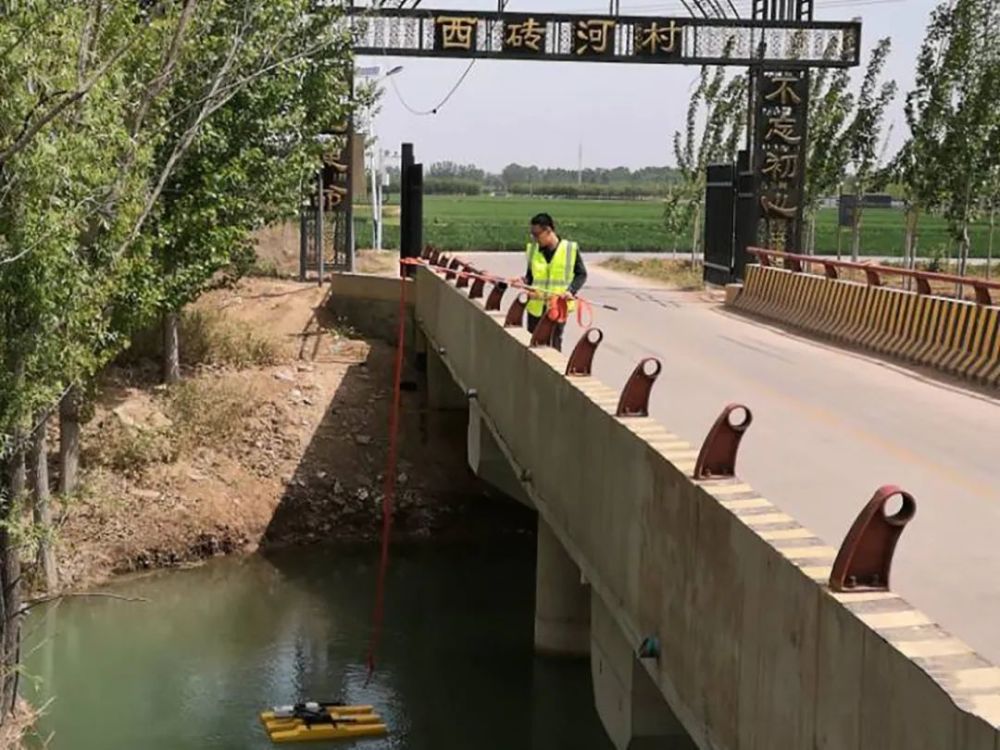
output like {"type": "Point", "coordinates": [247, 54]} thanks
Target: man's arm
{"type": "Point", "coordinates": [579, 274]}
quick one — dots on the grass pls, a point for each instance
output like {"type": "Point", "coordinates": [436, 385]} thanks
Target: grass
{"type": "Point", "coordinates": [680, 274]}
{"type": "Point", "coordinates": [129, 450]}
{"type": "Point", "coordinates": [201, 411]}
{"type": "Point", "coordinates": [376, 262]}
{"type": "Point", "coordinates": [267, 268]}
{"type": "Point", "coordinates": [207, 411]}
{"type": "Point", "coordinates": [462, 223]}
{"type": "Point", "coordinates": [207, 337]}
{"type": "Point", "coordinates": [484, 223]}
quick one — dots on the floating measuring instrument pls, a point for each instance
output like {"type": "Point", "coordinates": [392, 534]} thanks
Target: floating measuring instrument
{"type": "Point", "coordinates": [313, 720]}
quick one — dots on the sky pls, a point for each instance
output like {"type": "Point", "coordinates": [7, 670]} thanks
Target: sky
{"type": "Point", "coordinates": [542, 113]}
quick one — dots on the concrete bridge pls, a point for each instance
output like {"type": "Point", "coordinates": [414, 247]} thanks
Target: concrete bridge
{"type": "Point", "coordinates": [745, 646]}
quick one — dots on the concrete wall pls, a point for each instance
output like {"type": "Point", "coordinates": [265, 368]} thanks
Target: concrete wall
{"type": "Point", "coordinates": [756, 652]}
{"type": "Point", "coordinates": [371, 304]}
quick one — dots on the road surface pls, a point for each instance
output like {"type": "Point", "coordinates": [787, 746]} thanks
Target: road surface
{"type": "Point", "coordinates": [829, 428]}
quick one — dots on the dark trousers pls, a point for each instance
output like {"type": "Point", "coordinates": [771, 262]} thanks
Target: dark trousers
{"type": "Point", "coordinates": [557, 331]}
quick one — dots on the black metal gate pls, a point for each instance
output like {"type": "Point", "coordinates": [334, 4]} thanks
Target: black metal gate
{"type": "Point", "coordinates": [720, 195]}
{"type": "Point", "coordinates": [747, 217]}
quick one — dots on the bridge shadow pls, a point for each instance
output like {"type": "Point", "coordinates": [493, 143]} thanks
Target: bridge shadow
{"type": "Point", "coordinates": [335, 493]}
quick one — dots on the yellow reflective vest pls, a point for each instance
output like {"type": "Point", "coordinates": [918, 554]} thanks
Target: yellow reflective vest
{"type": "Point", "coordinates": [554, 276]}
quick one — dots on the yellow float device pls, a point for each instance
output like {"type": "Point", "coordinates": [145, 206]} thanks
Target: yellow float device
{"type": "Point", "coordinates": [313, 721]}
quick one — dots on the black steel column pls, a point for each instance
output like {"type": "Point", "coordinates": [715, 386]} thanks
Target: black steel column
{"type": "Point", "coordinates": [747, 213]}
{"type": "Point", "coordinates": [719, 197]}
{"type": "Point", "coordinates": [416, 190]}
{"type": "Point", "coordinates": [405, 163]}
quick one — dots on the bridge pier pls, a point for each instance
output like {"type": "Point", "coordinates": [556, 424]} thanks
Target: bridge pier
{"type": "Point", "coordinates": [488, 461]}
{"type": "Point", "coordinates": [562, 599]}
{"type": "Point", "coordinates": [631, 706]}
{"type": "Point", "coordinates": [442, 392]}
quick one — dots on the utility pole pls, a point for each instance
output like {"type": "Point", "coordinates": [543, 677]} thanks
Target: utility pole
{"type": "Point", "coordinates": [579, 164]}
{"type": "Point", "coordinates": [373, 153]}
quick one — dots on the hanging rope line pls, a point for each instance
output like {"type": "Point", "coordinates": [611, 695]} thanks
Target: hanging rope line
{"type": "Point", "coordinates": [557, 300]}
{"type": "Point", "coordinates": [557, 309]}
{"type": "Point", "coordinates": [389, 490]}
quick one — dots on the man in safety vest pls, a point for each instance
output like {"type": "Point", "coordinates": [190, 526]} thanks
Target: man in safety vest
{"type": "Point", "coordinates": [555, 267]}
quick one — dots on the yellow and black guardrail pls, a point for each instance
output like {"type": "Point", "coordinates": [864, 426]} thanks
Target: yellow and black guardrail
{"type": "Point", "coordinates": [956, 336]}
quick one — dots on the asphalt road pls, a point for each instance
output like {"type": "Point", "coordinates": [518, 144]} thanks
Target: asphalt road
{"type": "Point", "coordinates": [829, 428]}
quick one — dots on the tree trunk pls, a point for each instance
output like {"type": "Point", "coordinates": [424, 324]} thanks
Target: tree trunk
{"type": "Point", "coordinates": [694, 236]}
{"type": "Point", "coordinates": [989, 246]}
{"type": "Point", "coordinates": [69, 441]}
{"type": "Point", "coordinates": [41, 507]}
{"type": "Point", "coordinates": [963, 250]}
{"type": "Point", "coordinates": [908, 245]}
{"type": "Point", "coordinates": [10, 578]}
{"type": "Point", "coordinates": [856, 235]}
{"type": "Point", "coordinates": [13, 478]}
{"type": "Point", "coordinates": [171, 348]}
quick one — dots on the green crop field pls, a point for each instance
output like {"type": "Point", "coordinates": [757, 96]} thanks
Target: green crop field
{"type": "Point", "coordinates": [484, 223]}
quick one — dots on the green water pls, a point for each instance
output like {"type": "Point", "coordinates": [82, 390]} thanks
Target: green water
{"type": "Point", "coordinates": [213, 646]}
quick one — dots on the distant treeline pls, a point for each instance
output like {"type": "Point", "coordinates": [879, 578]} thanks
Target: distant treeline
{"type": "Point", "coordinates": [448, 178]}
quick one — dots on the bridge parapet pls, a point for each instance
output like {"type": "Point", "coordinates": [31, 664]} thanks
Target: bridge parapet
{"type": "Point", "coordinates": [955, 336]}
{"type": "Point", "coordinates": [754, 649]}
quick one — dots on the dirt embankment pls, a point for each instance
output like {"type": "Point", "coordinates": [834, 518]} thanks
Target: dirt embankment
{"type": "Point", "coordinates": [278, 435]}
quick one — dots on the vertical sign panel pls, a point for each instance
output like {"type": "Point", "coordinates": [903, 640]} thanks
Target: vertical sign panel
{"type": "Point", "coordinates": [336, 194]}
{"type": "Point", "coordinates": [779, 154]}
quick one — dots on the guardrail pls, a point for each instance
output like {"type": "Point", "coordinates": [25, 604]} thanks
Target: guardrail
{"type": "Point", "coordinates": [875, 273]}
{"type": "Point", "coordinates": [721, 594]}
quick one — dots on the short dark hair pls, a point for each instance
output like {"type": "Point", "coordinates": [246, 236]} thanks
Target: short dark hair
{"type": "Point", "coordinates": [543, 220]}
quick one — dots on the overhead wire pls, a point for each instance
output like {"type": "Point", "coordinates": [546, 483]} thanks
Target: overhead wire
{"type": "Point", "coordinates": [433, 110]}
{"type": "Point", "coordinates": [436, 108]}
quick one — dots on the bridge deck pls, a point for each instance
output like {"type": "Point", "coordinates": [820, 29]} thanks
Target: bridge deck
{"type": "Point", "coordinates": [829, 428]}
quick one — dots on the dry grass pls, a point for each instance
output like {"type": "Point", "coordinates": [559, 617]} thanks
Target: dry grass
{"type": "Point", "coordinates": [205, 411]}
{"type": "Point", "coordinates": [680, 274]}
{"type": "Point", "coordinates": [207, 337]}
{"type": "Point", "coordinates": [196, 412]}
{"type": "Point", "coordinates": [377, 262]}
{"type": "Point", "coordinates": [129, 450]}
{"type": "Point", "coordinates": [269, 268]}
{"type": "Point", "coordinates": [18, 726]}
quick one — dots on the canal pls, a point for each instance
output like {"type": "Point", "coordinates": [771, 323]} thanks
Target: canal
{"type": "Point", "coordinates": [212, 646]}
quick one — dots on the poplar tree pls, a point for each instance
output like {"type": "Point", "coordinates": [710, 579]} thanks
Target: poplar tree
{"type": "Point", "coordinates": [714, 130]}
{"type": "Point", "coordinates": [863, 137]}
{"type": "Point", "coordinates": [107, 109]}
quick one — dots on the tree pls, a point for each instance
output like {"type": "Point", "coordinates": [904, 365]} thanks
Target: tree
{"type": "Point", "coordinates": [74, 75]}
{"type": "Point", "coordinates": [950, 158]}
{"type": "Point", "coordinates": [919, 164]}
{"type": "Point", "coordinates": [103, 104]}
{"type": "Point", "coordinates": [971, 142]}
{"type": "Point", "coordinates": [719, 104]}
{"type": "Point", "coordinates": [830, 104]}
{"type": "Point", "coordinates": [863, 136]}
{"type": "Point", "coordinates": [255, 146]}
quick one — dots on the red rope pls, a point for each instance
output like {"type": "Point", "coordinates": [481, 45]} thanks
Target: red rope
{"type": "Point", "coordinates": [389, 493]}
{"type": "Point", "coordinates": [556, 302]}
